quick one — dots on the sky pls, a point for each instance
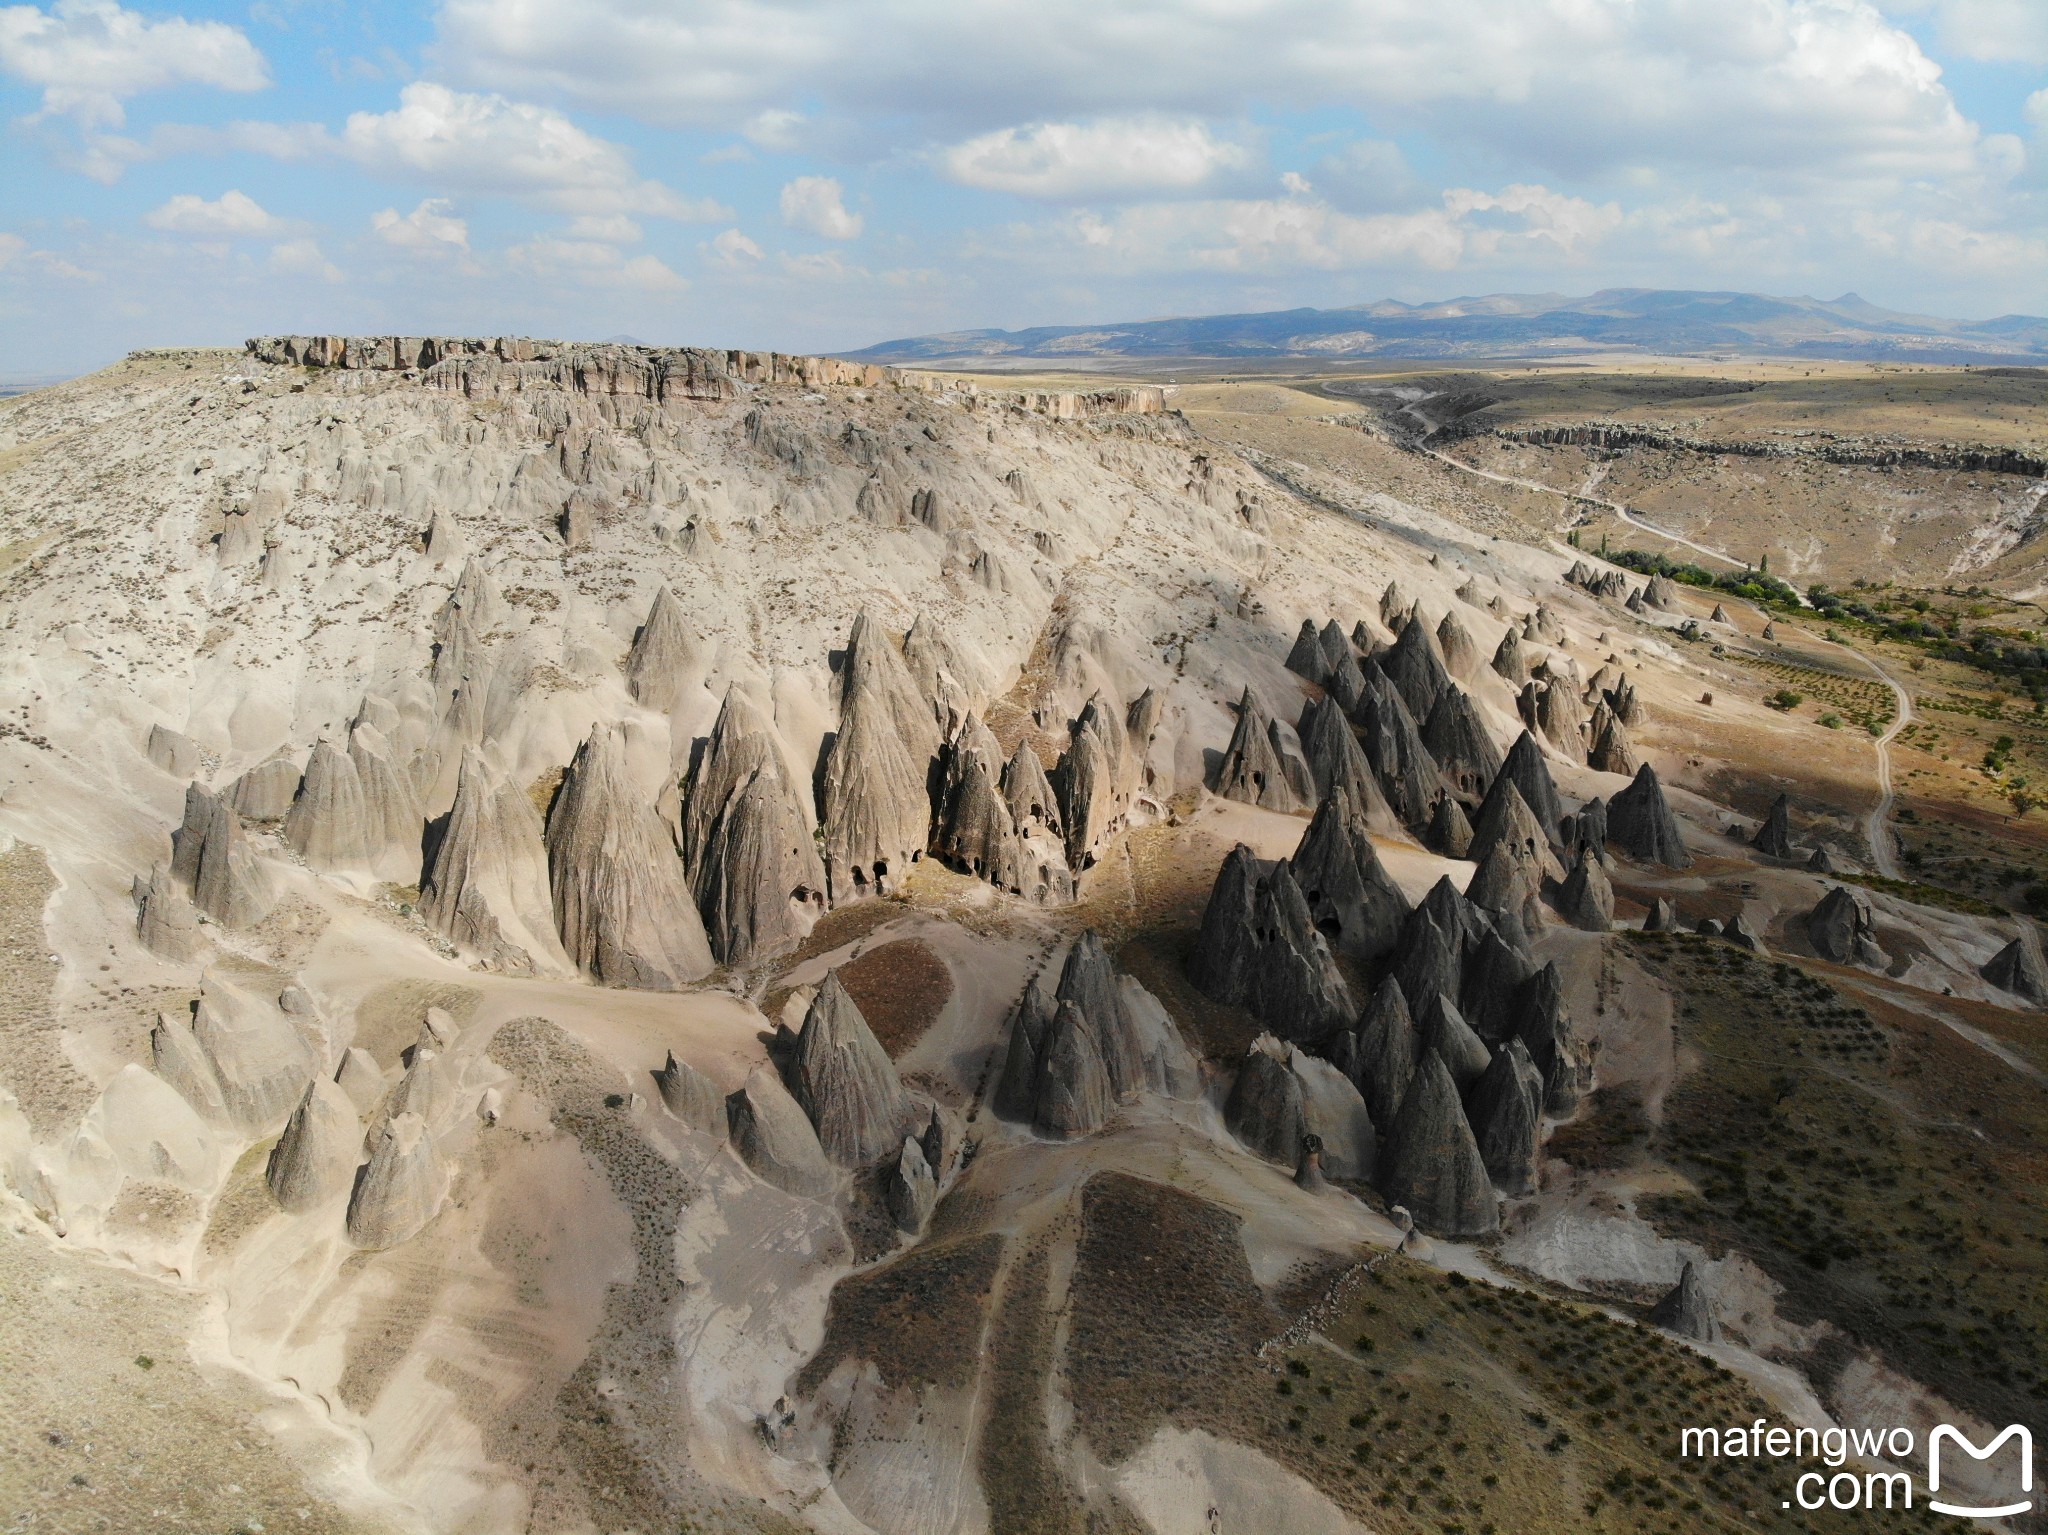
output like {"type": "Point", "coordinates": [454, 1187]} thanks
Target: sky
{"type": "Point", "coordinates": [819, 175]}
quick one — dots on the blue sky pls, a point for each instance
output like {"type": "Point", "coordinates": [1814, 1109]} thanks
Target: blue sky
{"type": "Point", "coordinates": [818, 176]}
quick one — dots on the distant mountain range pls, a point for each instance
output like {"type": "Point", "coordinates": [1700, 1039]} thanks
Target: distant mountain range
{"type": "Point", "coordinates": [1518, 326]}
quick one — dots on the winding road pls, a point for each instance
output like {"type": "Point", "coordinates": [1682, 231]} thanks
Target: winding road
{"type": "Point", "coordinates": [1877, 825]}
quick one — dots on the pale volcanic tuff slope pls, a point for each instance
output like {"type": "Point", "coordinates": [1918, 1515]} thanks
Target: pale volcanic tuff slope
{"type": "Point", "coordinates": [633, 662]}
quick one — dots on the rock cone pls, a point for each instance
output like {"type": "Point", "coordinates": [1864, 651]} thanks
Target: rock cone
{"type": "Point", "coordinates": [1641, 824]}
{"type": "Point", "coordinates": [1774, 838]}
{"type": "Point", "coordinates": [1463, 750]}
{"type": "Point", "coordinates": [754, 869]}
{"type": "Point", "coordinates": [1432, 1165]}
{"type": "Point", "coordinates": [1506, 1112]}
{"type": "Point", "coordinates": [1449, 834]}
{"type": "Point", "coordinates": [401, 1188]}
{"type": "Point", "coordinates": [1843, 928]}
{"type": "Point", "coordinates": [1256, 768]}
{"type": "Point", "coordinates": [1686, 1308]}
{"type": "Point", "coordinates": [1586, 899]}
{"type": "Point", "coordinates": [622, 905]}
{"type": "Point", "coordinates": [486, 886]}
{"type": "Point", "coordinates": [1415, 665]}
{"type": "Point", "coordinates": [911, 1188]}
{"type": "Point", "coordinates": [1393, 747]}
{"type": "Point", "coordinates": [844, 1080]}
{"type": "Point", "coordinates": [2018, 968]}
{"type": "Point", "coordinates": [315, 1159]}
{"type": "Point", "coordinates": [209, 855]}
{"type": "Point", "coordinates": [1336, 762]}
{"type": "Point", "coordinates": [164, 919]}
{"type": "Point", "coordinates": [1351, 898]}
{"type": "Point", "coordinates": [773, 1136]}
{"type": "Point", "coordinates": [691, 1097]}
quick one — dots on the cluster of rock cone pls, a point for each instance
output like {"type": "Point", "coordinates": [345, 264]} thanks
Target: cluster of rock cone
{"type": "Point", "coordinates": [1397, 728]}
{"type": "Point", "coordinates": [1096, 1040]}
{"type": "Point", "coordinates": [240, 1066]}
{"type": "Point", "coordinates": [1435, 1088]}
{"type": "Point", "coordinates": [608, 884]}
{"type": "Point", "coordinates": [836, 1106]}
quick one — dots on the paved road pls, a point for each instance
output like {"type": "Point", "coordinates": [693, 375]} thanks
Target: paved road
{"type": "Point", "coordinates": [1877, 825]}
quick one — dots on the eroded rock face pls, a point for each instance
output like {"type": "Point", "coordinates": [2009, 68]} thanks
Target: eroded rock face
{"type": "Point", "coordinates": [844, 1080]}
{"type": "Point", "coordinates": [1393, 747]}
{"type": "Point", "coordinates": [1432, 1164]}
{"type": "Point", "coordinates": [691, 1097]}
{"type": "Point", "coordinates": [315, 1159]}
{"type": "Point", "coordinates": [1586, 899]}
{"type": "Point", "coordinates": [2018, 968]}
{"type": "Point", "coordinates": [1510, 662]}
{"type": "Point", "coordinates": [1459, 742]}
{"type": "Point", "coordinates": [1259, 767]}
{"type": "Point", "coordinates": [1641, 824]}
{"type": "Point", "coordinates": [1461, 654]}
{"type": "Point", "coordinates": [1506, 1112]}
{"type": "Point", "coordinates": [1336, 762]}
{"type": "Point", "coordinates": [1545, 1028]}
{"type": "Point", "coordinates": [622, 905]}
{"type": "Point", "coordinates": [211, 858]}
{"type": "Point", "coordinates": [1026, 790]}
{"type": "Point", "coordinates": [486, 886]}
{"type": "Point", "coordinates": [1072, 1095]}
{"type": "Point", "coordinates": [164, 918]}
{"type": "Point", "coordinates": [774, 1137]}
{"type": "Point", "coordinates": [1351, 898]}
{"type": "Point", "coordinates": [401, 1188]}
{"type": "Point", "coordinates": [1686, 1308]}
{"type": "Point", "coordinates": [754, 868]}
{"type": "Point", "coordinates": [1387, 1050]}
{"type": "Point", "coordinates": [668, 662]}
{"type": "Point", "coordinates": [1774, 838]}
{"type": "Point", "coordinates": [1843, 928]}
{"type": "Point", "coordinates": [876, 811]}
{"type": "Point", "coordinates": [1415, 665]}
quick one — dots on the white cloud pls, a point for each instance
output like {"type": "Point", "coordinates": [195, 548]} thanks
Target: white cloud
{"type": "Point", "coordinates": [231, 214]}
{"type": "Point", "coordinates": [615, 228]}
{"type": "Point", "coordinates": [1109, 156]}
{"type": "Point", "coordinates": [777, 128]}
{"type": "Point", "coordinates": [487, 144]}
{"type": "Point", "coordinates": [814, 204]}
{"type": "Point", "coordinates": [594, 262]}
{"type": "Point", "coordinates": [430, 227]}
{"type": "Point", "coordinates": [302, 257]}
{"type": "Point", "coordinates": [1278, 235]}
{"type": "Point", "coordinates": [1776, 87]}
{"type": "Point", "coordinates": [2037, 110]}
{"type": "Point", "coordinates": [10, 247]}
{"type": "Point", "coordinates": [734, 249]}
{"type": "Point", "coordinates": [1996, 31]}
{"type": "Point", "coordinates": [91, 55]}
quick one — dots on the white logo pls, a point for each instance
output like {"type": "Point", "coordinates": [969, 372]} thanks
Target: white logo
{"type": "Point", "coordinates": [2016, 1431]}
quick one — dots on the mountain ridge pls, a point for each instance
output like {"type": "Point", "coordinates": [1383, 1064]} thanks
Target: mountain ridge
{"type": "Point", "coordinates": [1518, 327]}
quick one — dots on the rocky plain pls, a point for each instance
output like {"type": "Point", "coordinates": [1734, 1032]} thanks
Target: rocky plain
{"type": "Point", "coordinates": [604, 938]}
